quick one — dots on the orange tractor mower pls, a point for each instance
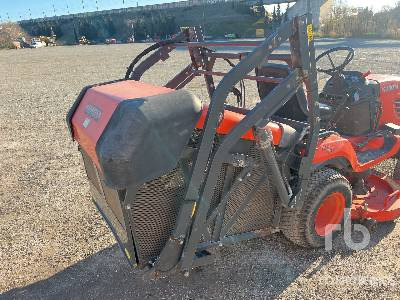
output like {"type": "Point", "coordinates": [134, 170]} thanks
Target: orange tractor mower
{"type": "Point", "coordinates": [175, 178]}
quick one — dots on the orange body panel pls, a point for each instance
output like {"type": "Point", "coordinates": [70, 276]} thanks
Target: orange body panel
{"type": "Point", "coordinates": [231, 119]}
{"type": "Point", "coordinates": [336, 146]}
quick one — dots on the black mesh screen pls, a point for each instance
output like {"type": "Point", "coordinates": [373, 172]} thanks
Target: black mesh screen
{"type": "Point", "coordinates": [154, 213]}
{"type": "Point", "coordinates": [91, 171]}
{"type": "Point", "coordinates": [259, 212]}
{"type": "Point", "coordinates": [156, 205]}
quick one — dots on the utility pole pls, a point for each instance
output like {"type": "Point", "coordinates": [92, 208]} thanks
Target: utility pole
{"type": "Point", "coordinates": [54, 9]}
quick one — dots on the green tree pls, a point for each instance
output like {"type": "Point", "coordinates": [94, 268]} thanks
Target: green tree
{"type": "Point", "coordinates": [274, 16]}
{"type": "Point", "coordinates": [278, 13]}
{"type": "Point", "coordinates": [109, 24]}
{"type": "Point", "coordinates": [87, 29]}
{"type": "Point", "coordinates": [260, 8]}
{"type": "Point", "coordinates": [286, 14]}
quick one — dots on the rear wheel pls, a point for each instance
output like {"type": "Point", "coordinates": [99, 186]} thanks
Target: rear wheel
{"type": "Point", "coordinates": [323, 209]}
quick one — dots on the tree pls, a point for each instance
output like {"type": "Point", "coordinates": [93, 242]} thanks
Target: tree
{"type": "Point", "coordinates": [278, 14]}
{"type": "Point", "coordinates": [110, 27]}
{"type": "Point", "coordinates": [274, 16]}
{"type": "Point", "coordinates": [87, 29]}
{"type": "Point", "coordinates": [286, 15]}
{"type": "Point", "coordinates": [260, 8]}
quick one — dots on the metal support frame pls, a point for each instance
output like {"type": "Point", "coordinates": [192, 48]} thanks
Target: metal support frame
{"type": "Point", "coordinates": [182, 249]}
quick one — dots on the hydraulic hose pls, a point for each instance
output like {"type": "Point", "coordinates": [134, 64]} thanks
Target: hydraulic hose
{"type": "Point", "coordinates": [145, 52]}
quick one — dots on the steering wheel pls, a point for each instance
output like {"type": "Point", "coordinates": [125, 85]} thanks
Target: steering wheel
{"type": "Point", "coordinates": [336, 69]}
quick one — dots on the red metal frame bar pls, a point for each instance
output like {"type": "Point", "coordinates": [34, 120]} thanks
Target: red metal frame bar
{"type": "Point", "coordinates": [223, 44]}
{"type": "Point", "coordinates": [249, 77]}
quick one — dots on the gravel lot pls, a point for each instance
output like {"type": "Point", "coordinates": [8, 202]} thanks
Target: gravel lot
{"type": "Point", "coordinates": [53, 243]}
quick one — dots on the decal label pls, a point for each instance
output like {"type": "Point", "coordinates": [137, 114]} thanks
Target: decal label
{"type": "Point", "coordinates": [93, 112]}
{"type": "Point", "coordinates": [390, 87]}
{"type": "Point", "coordinates": [86, 123]}
{"type": "Point", "coordinates": [310, 32]}
{"type": "Point", "coordinates": [128, 255]}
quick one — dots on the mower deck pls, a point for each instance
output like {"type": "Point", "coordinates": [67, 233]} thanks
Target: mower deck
{"type": "Point", "coordinates": [381, 203]}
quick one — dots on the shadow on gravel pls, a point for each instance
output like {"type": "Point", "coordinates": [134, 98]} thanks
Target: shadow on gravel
{"type": "Point", "coordinates": [377, 233]}
{"type": "Point", "coordinates": [262, 268]}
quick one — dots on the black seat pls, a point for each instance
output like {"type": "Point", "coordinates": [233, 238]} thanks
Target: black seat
{"type": "Point", "coordinates": [355, 102]}
{"type": "Point", "coordinates": [296, 107]}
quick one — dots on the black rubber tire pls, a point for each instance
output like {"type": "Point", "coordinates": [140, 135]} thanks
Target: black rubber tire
{"type": "Point", "coordinates": [298, 224]}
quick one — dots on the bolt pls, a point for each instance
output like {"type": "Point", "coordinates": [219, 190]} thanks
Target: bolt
{"type": "Point", "coordinates": [248, 174]}
{"type": "Point", "coordinates": [186, 274]}
{"type": "Point", "coordinates": [128, 207]}
{"type": "Point", "coordinates": [240, 179]}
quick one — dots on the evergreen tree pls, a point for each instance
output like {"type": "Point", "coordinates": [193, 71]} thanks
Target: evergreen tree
{"type": "Point", "coordinates": [261, 9]}
{"type": "Point", "coordinates": [278, 13]}
{"type": "Point", "coordinates": [286, 15]}
{"type": "Point", "coordinates": [274, 16]}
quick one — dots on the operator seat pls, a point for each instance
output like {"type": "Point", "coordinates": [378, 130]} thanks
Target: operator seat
{"type": "Point", "coordinates": [355, 102]}
{"type": "Point", "coordinates": [296, 107]}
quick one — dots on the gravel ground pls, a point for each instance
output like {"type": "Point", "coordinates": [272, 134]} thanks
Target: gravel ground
{"type": "Point", "coordinates": [53, 244]}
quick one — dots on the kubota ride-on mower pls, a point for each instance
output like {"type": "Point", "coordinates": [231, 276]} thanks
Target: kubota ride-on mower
{"type": "Point", "coordinates": [175, 178]}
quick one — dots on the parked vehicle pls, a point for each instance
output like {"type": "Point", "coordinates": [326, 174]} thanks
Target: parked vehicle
{"type": "Point", "coordinates": [37, 43]}
{"type": "Point", "coordinates": [111, 41]}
